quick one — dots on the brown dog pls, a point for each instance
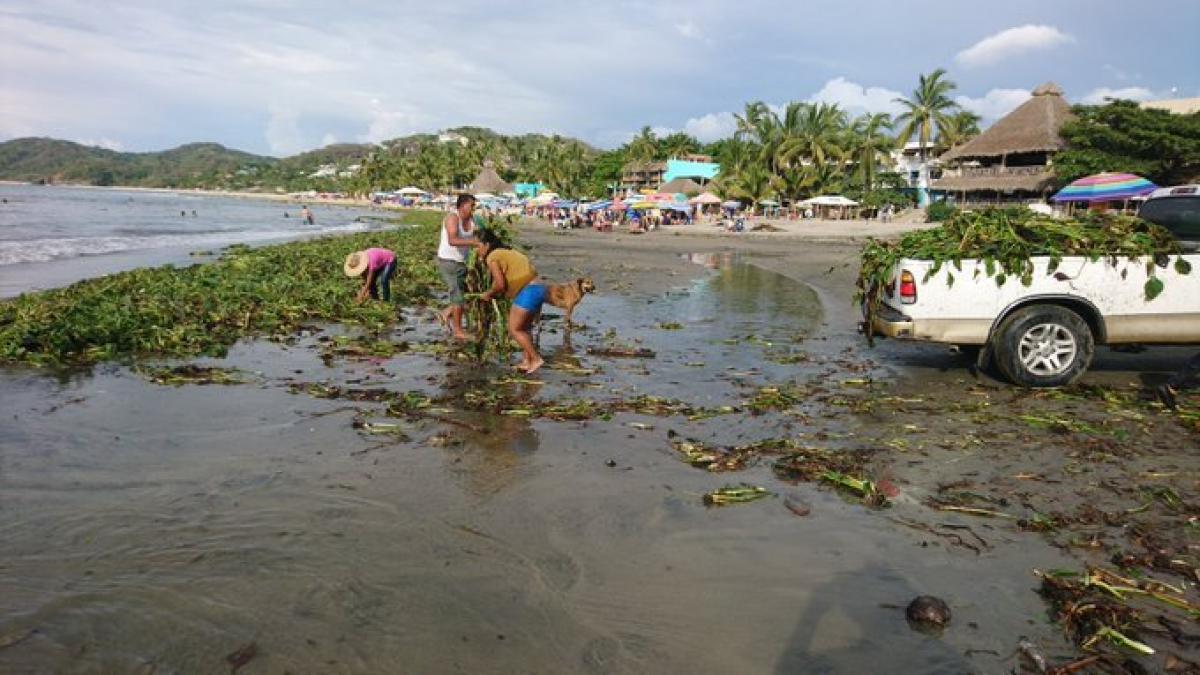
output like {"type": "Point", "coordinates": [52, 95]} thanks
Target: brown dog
{"type": "Point", "coordinates": [567, 296]}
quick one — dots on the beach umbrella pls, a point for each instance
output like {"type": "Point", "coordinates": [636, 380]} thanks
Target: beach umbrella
{"type": "Point", "coordinates": [618, 205]}
{"type": "Point", "coordinates": [768, 202]}
{"type": "Point", "coordinates": [1105, 187]}
{"type": "Point", "coordinates": [732, 204]}
{"type": "Point", "coordinates": [706, 198]}
{"type": "Point", "coordinates": [411, 190]}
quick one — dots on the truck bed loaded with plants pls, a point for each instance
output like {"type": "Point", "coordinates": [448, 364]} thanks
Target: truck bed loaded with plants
{"type": "Point", "coordinates": [1033, 294]}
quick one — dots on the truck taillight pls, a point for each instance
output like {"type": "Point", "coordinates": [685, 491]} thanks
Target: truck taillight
{"type": "Point", "coordinates": [908, 288]}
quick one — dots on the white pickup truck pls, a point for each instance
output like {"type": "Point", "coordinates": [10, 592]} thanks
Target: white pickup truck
{"type": "Point", "coordinates": [1044, 334]}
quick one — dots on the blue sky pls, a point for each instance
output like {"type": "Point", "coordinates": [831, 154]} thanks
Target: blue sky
{"type": "Point", "coordinates": [279, 77]}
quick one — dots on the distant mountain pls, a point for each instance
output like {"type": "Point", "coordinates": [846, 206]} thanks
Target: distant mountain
{"type": "Point", "coordinates": [54, 161]}
{"type": "Point", "coordinates": [213, 166]}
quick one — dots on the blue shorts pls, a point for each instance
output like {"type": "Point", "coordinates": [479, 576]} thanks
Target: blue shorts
{"type": "Point", "coordinates": [531, 298]}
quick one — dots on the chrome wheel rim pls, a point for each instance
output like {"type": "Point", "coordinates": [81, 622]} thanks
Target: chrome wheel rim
{"type": "Point", "coordinates": [1047, 349]}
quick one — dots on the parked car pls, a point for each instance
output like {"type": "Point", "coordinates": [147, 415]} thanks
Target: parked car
{"type": "Point", "coordinates": [1044, 334]}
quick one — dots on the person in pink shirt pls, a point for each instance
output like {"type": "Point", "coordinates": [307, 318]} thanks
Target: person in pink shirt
{"type": "Point", "coordinates": [376, 266]}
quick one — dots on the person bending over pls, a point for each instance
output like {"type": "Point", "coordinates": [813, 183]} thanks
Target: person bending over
{"type": "Point", "coordinates": [376, 266]}
{"type": "Point", "coordinates": [514, 277]}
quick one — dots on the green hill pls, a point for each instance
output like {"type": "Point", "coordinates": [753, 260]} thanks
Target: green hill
{"type": "Point", "coordinates": [421, 158]}
{"type": "Point", "coordinates": [193, 165]}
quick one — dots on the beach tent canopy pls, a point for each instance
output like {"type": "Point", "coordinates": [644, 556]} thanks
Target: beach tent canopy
{"type": "Point", "coordinates": [768, 202]}
{"type": "Point", "coordinates": [829, 200]}
{"type": "Point", "coordinates": [1105, 187]}
{"type": "Point", "coordinates": [484, 195]}
{"type": "Point", "coordinates": [411, 190]}
{"type": "Point", "coordinates": [706, 198]}
{"type": "Point", "coordinates": [732, 204]}
{"type": "Point", "coordinates": [598, 206]}
{"type": "Point", "coordinates": [543, 199]}
{"type": "Point", "coordinates": [618, 205]}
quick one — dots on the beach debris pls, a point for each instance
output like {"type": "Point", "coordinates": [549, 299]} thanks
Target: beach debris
{"type": "Point", "coordinates": [360, 347]}
{"type": "Point", "coordinates": [620, 351]}
{"type": "Point", "coordinates": [726, 458]}
{"type": "Point", "coordinates": [927, 611]}
{"type": "Point", "coordinates": [191, 374]}
{"type": "Point", "coordinates": [670, 325]}
{"type": "Point", "coordinates": [241, 656]}
{"type": "Point", "coordinates": [1032, 654]}
{"type": "Point", "coordinates": [735, 494]}
{"type": "Point", "coordinates": [269, 291]}
{"type": "Point", "coordinates": [797, 506]}
{"type": "Point", "coordinates": [775, 398]}
{"type": "Point", "coordinates": [16, 637]}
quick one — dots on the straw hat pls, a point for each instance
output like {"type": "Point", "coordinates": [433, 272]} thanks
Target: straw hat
{"type": "Point", "coordinates": [356, 263]}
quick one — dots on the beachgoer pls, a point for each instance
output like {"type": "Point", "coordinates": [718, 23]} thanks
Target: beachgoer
{"type": "Point", "coordinates": [376, 266]}
{"type": "Point", "coordinates": [457, 228]}
{"type": "Point", "coordinates": [1188, 377]}
{"type": "Point", "coordinates": [307, 215]}
{"type": "Point", "coordinates": [514, 277]}
{"type": "Point", "coordinates": [286, 214]}
{"type": "Point", "coordinates": [183, 214]}
{"type": "Point", "coordinates": [193, 213]}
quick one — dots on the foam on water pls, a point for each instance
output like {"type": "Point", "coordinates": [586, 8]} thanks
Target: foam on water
{"type": "Point", "coordinates": [58, 248]}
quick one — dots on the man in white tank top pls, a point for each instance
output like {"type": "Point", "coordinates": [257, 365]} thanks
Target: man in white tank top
{"type": "Point", "coordinates": [455, 240]}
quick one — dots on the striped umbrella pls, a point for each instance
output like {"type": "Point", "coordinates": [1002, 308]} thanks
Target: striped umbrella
{"type": "Point", "coordinates": [1105, 187]}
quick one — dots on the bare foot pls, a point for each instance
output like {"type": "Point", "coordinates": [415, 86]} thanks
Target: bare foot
{"type": "Point", "coordinates": [534, 366]}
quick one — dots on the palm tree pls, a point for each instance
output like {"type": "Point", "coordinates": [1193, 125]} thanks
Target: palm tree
{"type": "Point", "coordinates": [644, 146]}
{"type": "Point", "coordinates": [752, 182]}
{"type": "Point", "coordinates": [869, 143]}
{"type": "Point", "coordinates": [961, 127]}
{"type": "Point", "coordinates": [752, 123]}
{"type": "Point", "coordinates": [929, 109]}
{"type": "Point", "coordinates": [818, 136]}
{"type": "Point", "coordinates": [679, 144]}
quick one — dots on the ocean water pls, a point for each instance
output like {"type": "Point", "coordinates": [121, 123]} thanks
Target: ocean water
{"type": "Point", "coordinates": [52, 236]}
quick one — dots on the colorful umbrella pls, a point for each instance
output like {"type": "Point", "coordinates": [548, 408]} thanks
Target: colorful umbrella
{"type": "Point", "coordinates": [1105, 187]}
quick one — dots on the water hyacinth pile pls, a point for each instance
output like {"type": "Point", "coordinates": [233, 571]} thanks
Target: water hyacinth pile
{"type": "Point", "coordinates": [1006, 240]}
{"type": "Point", "coordinates": [203, 309]}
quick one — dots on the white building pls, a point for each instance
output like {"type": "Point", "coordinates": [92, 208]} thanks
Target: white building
{"type": "Point", "coordinates": [906, 161]}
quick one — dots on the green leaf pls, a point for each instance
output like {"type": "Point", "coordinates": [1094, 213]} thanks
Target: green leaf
{"type": "Point", "coordinates": [1182, 266]}
{"type": "Point", "coordinates": [1154, 287]}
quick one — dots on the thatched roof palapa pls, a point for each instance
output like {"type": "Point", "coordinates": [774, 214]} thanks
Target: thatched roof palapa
{"type": "Point", "coordinates": [1034, 183]}
{"type": "Point", "coordinates": [489, 181]}
{"type": "Point", "coordinates": [685, 185]}
{"type": "Point", "coordinates": [1032, 127]}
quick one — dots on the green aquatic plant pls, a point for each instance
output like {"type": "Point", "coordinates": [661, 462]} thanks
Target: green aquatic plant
{"type": "Point", "coordinates": [1006, 241]}
{"type": "Point", "coordinates": [735, 494]}
{"type": "Point", "coordinates": [203, 309]}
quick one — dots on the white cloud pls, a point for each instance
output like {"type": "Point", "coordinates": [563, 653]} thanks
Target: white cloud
{"type": "Point", "coordinates": [995, 104]}
{"type": "Point", "coordinates": [856, 98]}
{"type": "Point", "coordinates": [106, 143]}
{"type": "Point", "coordinates": [711, 127]}
{"type": "Point", "coordinates": [689, 29]}
{"type": "Point", "coordinates": [283, 131]}
{"type": "Point", "coordinates": [1099, 95]}
{"type": "Point", "coordinates": [1012, 42]}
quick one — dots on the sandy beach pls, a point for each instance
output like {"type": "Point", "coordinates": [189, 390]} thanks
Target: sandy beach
{"type": "Point", "coordinates": [282, 524]}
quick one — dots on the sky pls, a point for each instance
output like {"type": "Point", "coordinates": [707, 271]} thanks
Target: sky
{"type": "Point", "coordinates": [278, 77]}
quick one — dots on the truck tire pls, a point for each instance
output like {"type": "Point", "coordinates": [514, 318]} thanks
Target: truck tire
{"type": "Point", "coordinates": [1043, 346]}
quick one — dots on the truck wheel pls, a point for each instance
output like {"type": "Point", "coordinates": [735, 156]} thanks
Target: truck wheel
{"type": "Point", "coordinates": [1043, 346]}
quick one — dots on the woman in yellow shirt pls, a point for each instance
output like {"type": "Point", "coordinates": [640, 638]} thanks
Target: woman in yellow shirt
{"type": "Point", "coordinates": [514, 277]}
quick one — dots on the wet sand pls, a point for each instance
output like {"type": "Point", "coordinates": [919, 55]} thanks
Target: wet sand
{"type": "Point", "coordinates": [152, 528]}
